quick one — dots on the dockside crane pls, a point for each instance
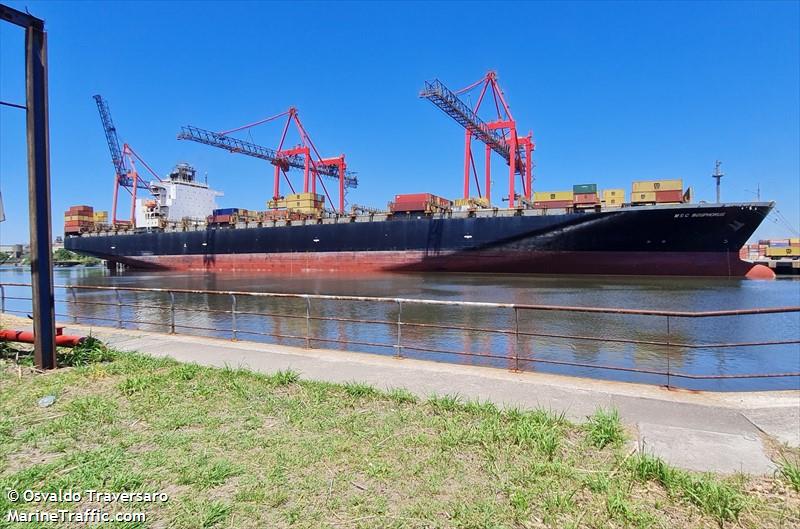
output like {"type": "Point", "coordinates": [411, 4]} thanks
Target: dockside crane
{"type": "Point", "coordinates": [303, 156]}
{"type": "Point", "coordinates": [499, 135]}
{"type": "Point", "coordinates": [125, 174]}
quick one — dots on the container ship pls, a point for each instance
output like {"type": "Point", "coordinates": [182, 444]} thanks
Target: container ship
{"type": "Point", "coordinates": [583, 231]}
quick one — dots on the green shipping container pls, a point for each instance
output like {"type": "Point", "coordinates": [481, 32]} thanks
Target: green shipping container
{"type": "Point", "coordinates": [584, 188]}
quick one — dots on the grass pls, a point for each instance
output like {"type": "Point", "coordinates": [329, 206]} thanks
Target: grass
{"type": "Point", "coordinates": [605, 428]}
{"type": "Point", "coordinates": [237, 449]}
{"type": "Point", "coordinates": [790, 470]}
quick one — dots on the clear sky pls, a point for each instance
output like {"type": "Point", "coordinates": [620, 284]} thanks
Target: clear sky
{"type": "Point", "coordinates": [613, 92]}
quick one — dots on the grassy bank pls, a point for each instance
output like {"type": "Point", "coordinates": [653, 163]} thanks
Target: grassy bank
{"type": "Point", "coordinates": [238, 449]}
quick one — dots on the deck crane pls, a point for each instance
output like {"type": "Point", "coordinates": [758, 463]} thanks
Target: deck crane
{"type": "Point", "coordinates": [303, 156]}
{"type": "Point", "coordinates": [125, 174]}
{"type": "Point", "coordinates": [499, 135]}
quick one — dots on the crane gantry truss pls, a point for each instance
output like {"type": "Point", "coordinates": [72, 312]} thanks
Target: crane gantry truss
{"type": "Point", "coordinates": [499, 135]}
{"type": "Point", "coordinates": [303, 156]}
{"type": "Point", "coordinates": [122, 158]}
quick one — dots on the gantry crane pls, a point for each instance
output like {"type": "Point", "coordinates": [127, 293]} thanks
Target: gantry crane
{"type": "Point", "coordinates": [125, 174]}
{"type": "Point", "coordinates": [499, 135]}
{"type": "Point", "coordinates": [298, 157]}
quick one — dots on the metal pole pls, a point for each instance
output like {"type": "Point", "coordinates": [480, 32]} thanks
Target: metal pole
{"type": "Point", "coordinates": [399, 347]}
{"type": "Point", "coordinates": [516, 339]}
{"type": "Point", "coordinates": [119, 309]}
{"type": "Point", "coordinates": [233, 316]}
{"type": "Point", "coordinates": [669, 350]}
{"type": "Point", "coordinates": [308, 322]}
{"type": "Point", "coordinates": [74, 305]}
{"type": "Point", "coordinates": [2, 299]}
{"type": "Point", "coordinates": [171, 312]}
{"type": "Point", "coordinates": [44, 324]}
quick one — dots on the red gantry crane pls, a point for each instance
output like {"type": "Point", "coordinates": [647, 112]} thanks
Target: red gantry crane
{"type": "Point", "coordinates": [303, 156]}
{"type": "Point", "coordinates": [125, 174]}
{"type": "Point", "coordinates": [499, 135]}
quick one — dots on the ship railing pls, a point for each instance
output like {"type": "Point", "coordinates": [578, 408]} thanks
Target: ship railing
{"type": "Point", "coordinates": [114, 309]}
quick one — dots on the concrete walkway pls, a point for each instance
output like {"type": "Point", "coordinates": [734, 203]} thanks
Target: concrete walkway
{"type": "Point", "coordinates": [721, 432]}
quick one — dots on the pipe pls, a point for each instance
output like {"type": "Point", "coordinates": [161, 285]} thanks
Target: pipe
{"type": "Point", "coordinates": [62, 340]}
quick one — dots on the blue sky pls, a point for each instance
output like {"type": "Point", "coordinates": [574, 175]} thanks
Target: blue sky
{"type": "Point", "coordinates": [613, 92]}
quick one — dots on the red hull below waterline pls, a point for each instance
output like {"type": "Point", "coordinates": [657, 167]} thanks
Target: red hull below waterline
{"type": "Point", "coordinates": [726, 264]}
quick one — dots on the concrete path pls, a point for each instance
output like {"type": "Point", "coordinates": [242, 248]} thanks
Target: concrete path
{"type": "Point", "coordinates": [721, 432]}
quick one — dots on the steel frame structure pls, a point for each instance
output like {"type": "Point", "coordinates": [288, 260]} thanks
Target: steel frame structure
{"type": "Point", "coordinates": [125, 174]}
{"type": "Point", "coordinates": [303, 156]}
{"type": "Point", "coordinates": [38, 142]}
{"type": "Point", "coordinates": [499, 135]}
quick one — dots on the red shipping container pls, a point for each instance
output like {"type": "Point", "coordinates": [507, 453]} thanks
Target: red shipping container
{"type": "Point", "coordinates": [586, 198]}
{"type": "Point", "coordinates": [401, 207]}
{"type": "Point", "coordinates": [413, 197]}
{"type": "Point", "coordinates": [669, 196]}
{"type": "Point", "coordinates": [553, 204]}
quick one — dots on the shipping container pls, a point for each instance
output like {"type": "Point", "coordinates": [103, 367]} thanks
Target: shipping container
{"type": "Point", "coordinates": [409, 206]}
{"type": "Point", "coordinates": [675, 196]}
{"type": "Point", "coordinates": [644, 186]}
{"type": "Point", "coordinates": [472, 202]}
{"type": "Point", "coordinates": [545, 196]}
{"type": "Point", "coordinates": [584, 188]}
{"type": "Point", "coordinates": [586, 198]}
{"type": "Point", "coordinates": [640, 198]}
{"type": "Point", "coordinates": [550, 204]}
{"type": "Point", "coordinates": [783, 251]}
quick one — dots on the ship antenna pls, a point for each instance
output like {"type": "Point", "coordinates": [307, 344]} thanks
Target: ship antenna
{"type": "Point", "coordinates": [718, 175]}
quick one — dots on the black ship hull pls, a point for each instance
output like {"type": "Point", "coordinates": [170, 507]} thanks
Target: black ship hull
{"type": "Point", "coordinates": [682, 239]}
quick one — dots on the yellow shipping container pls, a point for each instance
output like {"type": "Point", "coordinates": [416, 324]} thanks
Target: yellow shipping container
{"type": "Point", "coordinates": [544, 196]}
{"type": "Point", "coordinates": [100, 215]}
{"type": "Point", "coordinates": [305, 196]}
{"type": "Point", "coordinates": [644, 186]}
{"type": "Point", "coordinates": [649, 196]}
{"type": "Point", "coordinates": [783, 251]}
{"type": "Point", "coordinates": [794, 240]}
{"type": "Point", "coordinates": [478, 202]}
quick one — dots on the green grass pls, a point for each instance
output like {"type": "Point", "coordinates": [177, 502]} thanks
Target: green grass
{"type": "Point", "coordinates": [605, 428]}
{"type": "Point", "coordinates": [238, 449]}
{"type": "Point", "coordinates": [790, 470]}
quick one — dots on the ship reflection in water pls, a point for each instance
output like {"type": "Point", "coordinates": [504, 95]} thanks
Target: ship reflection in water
{"type": "Point", "coordinates": [683, 294]}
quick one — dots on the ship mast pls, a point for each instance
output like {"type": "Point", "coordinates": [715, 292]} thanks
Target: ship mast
{"type": "Point", "coordinates": [718, 175]}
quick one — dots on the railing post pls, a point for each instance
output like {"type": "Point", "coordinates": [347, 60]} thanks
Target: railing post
{"type": "Point", "coordinates": [516, 339]}
{"type": "Point", "coordinates": [233, 317]}
{"type": "Point", "coordinates": [399, 346]}
{"type": "Point", "coordinates": [74, 305]}
{"type": "Point", "coordinates": [2, 299]}
{"type": "Point", "coordinates": [119, 309]}
{"type": "Point", "coordinates": [669, 351]}
{"type": "Point", "coordinates": [171, 312]}
{"type": "Point", "coordinates": [308, 322]}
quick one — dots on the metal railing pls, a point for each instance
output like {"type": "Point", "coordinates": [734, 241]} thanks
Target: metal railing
{"type": "Point", "coordinates": [518, 359]}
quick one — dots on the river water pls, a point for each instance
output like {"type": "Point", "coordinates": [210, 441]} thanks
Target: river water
{"type": "Point", "coordinates": [537, 353]}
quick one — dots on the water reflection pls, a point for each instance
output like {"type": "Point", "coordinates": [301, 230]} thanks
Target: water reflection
{"type": "Point", "coordinates": [283, 320]}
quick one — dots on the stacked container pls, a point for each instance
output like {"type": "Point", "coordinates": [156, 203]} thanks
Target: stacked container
{"type": "Point", "coordinates": [100, 217]}
{"type": "Point", "coordinates": [308, 203]}
{"type": "Point", "coordinates": [78, 219]}
{"type": "Point", "coordinates": [613, 198]}
{"type": "Point", "coordinates": [585, 195]}
{"type": "Point", "coordinates": [471, 203]}
{"type": "Point", "coordinates": [419, 203]}
{"type": "Point", "coordinates": [553, 199]}
{"type": "Point", "coordinates": [657, 192]}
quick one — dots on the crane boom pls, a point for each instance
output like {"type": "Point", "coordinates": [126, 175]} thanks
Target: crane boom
{"type": "Point", "coordinates": [236, 145]}
{"type": "Point", "coordinates": [444, 98]}
{"type": "Point", "coordinates": [111, 136]}
{"type": "Point", "coordinates": [117, 158]}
